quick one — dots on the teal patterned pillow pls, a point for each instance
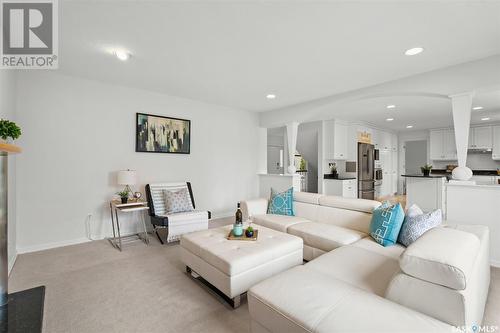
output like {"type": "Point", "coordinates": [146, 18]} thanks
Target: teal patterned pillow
{"type": "Point", "coordinates": [386, 223]}
{"type": "Point", "coordinates": [281, 203]}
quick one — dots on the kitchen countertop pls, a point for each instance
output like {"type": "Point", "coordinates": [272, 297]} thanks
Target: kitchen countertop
{"type": "Point", "coordinates": [474, 172]}
{"type": "Point", "coordinates": [330, 176]}
{"type": "Point", "coordinates": [422, 176]}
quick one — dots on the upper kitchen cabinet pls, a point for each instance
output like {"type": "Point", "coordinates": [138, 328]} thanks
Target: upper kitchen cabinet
{"type": "Point", "coordinates": [481, 137]}
{"type": "Point", "coordinates": [394, 142]}
{"type": "Point", "coordinates": [385, 141]}
{"type": "Point", "coordinates": [442, 145]}
{"type": "Point", "coordinates": [496, 143]}
{"type": "Point", "coordinates": [335, 134]}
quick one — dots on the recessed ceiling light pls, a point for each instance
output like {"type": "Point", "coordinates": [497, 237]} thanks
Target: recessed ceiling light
{"type": "Point", "coordinates": [392, 106]}
{"type": "Point", "coordinates": [485, 118]}
{"type": "Point", "coordinates": [122, 55]}
{"type": "Point", "coordinates": [414, 51]}
{"type": "Point", "coordinates": [271, 96]}
{"type": "Point", "coordinates": [409, 126]}
{"type": "Point", "coordinates": [389, 119]}
{"type": "Point", "coordinates": [477, 108]}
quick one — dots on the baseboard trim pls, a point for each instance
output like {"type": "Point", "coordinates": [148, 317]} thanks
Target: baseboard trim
{"type": "Point", "coordinates": [12, 261]}
{"type": "Point", "coordinates": [47, 246]}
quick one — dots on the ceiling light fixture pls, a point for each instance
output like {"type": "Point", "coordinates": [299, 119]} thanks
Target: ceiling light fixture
{"type": "Point", "coordinates": [414, 51]}
{"type": "Point", "coordinates": [392, 106]}
{"type": "Point", "coordinates": [271, 96]}
{"type": "Point", "coordinates": [477, 108]}
{"type": "Point", "coordinates": [389, 119]}
{"type": "Point", "coordinates": [409, 126]}
{"type": "Point", "coordinates": [485, 118]}
{"type": "Point", "coordinates": [122, 55]}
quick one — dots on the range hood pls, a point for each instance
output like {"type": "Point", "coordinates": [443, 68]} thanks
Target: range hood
{"type": "Point", "coordinates": [479, 151]}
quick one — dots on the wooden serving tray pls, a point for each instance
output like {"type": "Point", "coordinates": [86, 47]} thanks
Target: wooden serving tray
{"type": "Point", "coordinates": [230, 236]}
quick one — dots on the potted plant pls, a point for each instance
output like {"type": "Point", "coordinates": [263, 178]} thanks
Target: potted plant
{"type": "Point", "coordinates": [124, 196]}
{"type": "Point", "coordinates": [426, 169]}
{"type": "Point", "coordinates": [333, 169]}
{"type": "Point", "coordinates": [9, 129]}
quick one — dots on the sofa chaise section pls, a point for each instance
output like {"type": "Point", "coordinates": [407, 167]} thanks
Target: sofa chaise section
{"type": "Point", "coordinates": [305, 300]}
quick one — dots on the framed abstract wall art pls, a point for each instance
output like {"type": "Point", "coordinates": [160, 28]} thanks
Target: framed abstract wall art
{"type": "Point", "coordinates": [159, 134]}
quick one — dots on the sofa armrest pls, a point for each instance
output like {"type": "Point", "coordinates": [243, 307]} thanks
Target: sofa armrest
{"type": "Point", "coordinates": [253, 207]}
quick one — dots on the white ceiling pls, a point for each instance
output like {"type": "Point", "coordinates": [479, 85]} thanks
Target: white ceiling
{"type": "Point", "coordinates": [420, 112]}
{"type": "Point", "coordinates": [235, 52]}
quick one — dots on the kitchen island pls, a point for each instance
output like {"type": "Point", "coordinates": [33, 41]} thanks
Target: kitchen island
{"type": "Point", "coordinates": [476, 204]}
{"type": "Point", "coordinates": [428, 192]}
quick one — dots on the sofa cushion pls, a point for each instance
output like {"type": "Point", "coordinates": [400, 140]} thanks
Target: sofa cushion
{"type": "Point", "coordinates": [307, 197]}
{"type": "Point", "coordinates": [369, 244]}
{"type": "Point", "coordinates": [359, 267]}
{"type": "Point", "coordinates": [443, 256]}
{"type": "Point", "coordinates": [415, 226]}
{"type": "Point", "coordinates": [235, 257]}
{"type": "Point", "coordinates": [306, 210]}
{"type": "Point", "coordinates": [386, 224]}
{"type": "Point", "coordinates": [345, 218]}
{"type": "Point", "coordinates": [281, 202]}
{"type": "Point", "coordinates": [278, 222]}
{"type": "Point", "coordinates": [323, 304]}
{"type": "Point", "coordinates": [360, 205]}
{"type": "Point", "coordinates": [324, 236]}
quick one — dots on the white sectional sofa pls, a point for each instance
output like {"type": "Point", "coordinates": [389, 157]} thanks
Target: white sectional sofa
{"type": "Point", "coordinates": [352, 284]}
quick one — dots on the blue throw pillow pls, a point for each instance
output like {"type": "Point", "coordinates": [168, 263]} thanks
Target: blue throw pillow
{"type": "Point", "coordinates": [386, 223]}
{"type": "Point", "coordinates": [415, 226]}
{"type": "Point", "coordinates": [281, 203]}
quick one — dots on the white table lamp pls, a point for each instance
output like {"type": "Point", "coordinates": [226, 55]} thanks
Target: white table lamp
{"type": "Point", "coordinates": [127, 178]}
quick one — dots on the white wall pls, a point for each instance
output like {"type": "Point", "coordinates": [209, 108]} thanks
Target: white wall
{"type": "Point", "coordinates": [78, 133]}
{"type": "Point", "coordinates": [7, 111]}
{"type": "Point", "coordinates": [308, 139]}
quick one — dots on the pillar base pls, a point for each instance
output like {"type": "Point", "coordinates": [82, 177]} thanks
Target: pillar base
{"type": "Point", "coordinates": [462, 173]}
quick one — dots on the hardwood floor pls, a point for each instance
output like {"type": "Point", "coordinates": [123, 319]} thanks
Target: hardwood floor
{"type": "Point", "coordinates": [394, 199]}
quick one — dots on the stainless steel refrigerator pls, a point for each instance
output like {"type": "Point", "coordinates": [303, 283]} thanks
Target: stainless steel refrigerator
{"type": "Point", "coordinates": [366, 166]}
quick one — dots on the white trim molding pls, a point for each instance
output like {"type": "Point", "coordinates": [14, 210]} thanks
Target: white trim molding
{"type": "Point", "coordinates": [47, 246]}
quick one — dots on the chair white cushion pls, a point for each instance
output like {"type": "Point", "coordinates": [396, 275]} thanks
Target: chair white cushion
{"type": "Point", "coordinates": [359, 267]}
{"type": "Point", "coordinates": [360, 205]}
{"type": "Point", "coordinates": [278, 222]}
{"type": "Point", "coordinates": [443, 256]}
{"type": "Point", "coordinates": [234, 257]}
{"type": "Point", "coordinates": [324, 236]}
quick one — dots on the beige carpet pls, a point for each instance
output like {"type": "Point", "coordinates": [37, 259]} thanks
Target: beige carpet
{"type": "Point", "coordinates": [92, 287]}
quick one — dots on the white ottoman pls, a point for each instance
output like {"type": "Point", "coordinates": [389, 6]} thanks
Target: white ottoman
{"type": "Point", "coordinates": [234, 266]}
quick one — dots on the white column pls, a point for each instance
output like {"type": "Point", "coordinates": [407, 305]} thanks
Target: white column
{"type": "Point", "coordinates": [291, 133]}
{"type": "Point", "coordinates": [262, 150]}
{"type": "Point", "coordinates": [461, 105]}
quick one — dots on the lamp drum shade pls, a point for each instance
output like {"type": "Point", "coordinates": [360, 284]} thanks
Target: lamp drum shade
{"type": "Point", "coordinates": [127, 177]}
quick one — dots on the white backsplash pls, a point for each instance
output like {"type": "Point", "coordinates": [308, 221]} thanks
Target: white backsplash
{"type": "Point", "coordinates": [475, 161]}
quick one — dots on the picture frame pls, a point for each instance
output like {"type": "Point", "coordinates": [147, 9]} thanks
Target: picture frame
{"type": "Point", "coordinates": [162, 134]}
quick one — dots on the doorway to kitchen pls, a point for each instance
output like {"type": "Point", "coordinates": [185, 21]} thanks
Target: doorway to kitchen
{"type": "Point", "coordinates": [415, 157]}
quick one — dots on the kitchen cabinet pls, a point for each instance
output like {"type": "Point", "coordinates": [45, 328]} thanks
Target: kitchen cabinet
{"type": "Point", "coordinates": [342, 187]}
{"type": "Point", "coordinates": [340, 141]}
{"type": "Point", "coordinates": [335, 140]}
{"type": "Point", "coordinates": [394, 143]}
{"type": "Point", "coordinates": [496, 143]}
{"type": "Point", "coordinates": [442, 145]}
{"type": "Point", "coordinates": [395, 176]}
{"type": "Point", "coordinates": [385, 140]}
{"type": "Point", "coordinates": [481, 137]}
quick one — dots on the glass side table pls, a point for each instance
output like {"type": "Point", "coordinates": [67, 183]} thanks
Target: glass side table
{"type": "Point", "coordinates": [130, 207]}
